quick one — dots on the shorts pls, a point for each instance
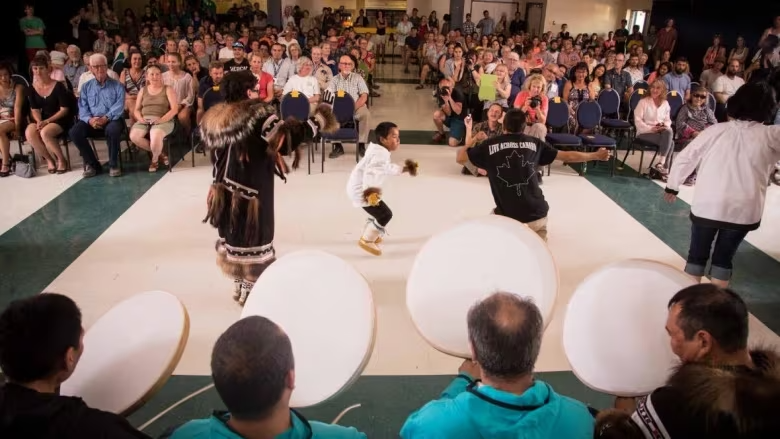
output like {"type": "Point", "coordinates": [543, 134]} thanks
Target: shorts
{"type": "Point", "coordinates": [457, 127]}
{"type": "Point", "coordinates": [380, 39]}
{"type": "Point", "coordinates": [166, 128]}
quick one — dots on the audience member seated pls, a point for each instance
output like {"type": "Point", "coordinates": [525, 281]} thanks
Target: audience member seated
{"type": "Point", "coordinates": [482, 131]}
{"type": "Point", "coordinates": [89, 75]}
{"type": "Point", "coordinates": [725, 87]}
{"type": "Point", "coordinates": [321, 71]}
{"type": "Point", "coordinates": [156, 107]}
{"type": "Point", "coordinates": [450, 114]}
{"type": "Point", "coordinates": [50, 105]}
{"type": "Point", "coordinates": [41, 341]}
{"type": "Point", "coordinates": [265, 82]}
{"type": "Point", "coordinates": [238, 61]}
{"type": "Point", "coordinates": [534, 104]}
{"type": "Point", "coordinates": [280, 68]}
{"type": "Point", "coordinates": [722, 390]}
{"type": "Point", "coordinates": [56, 64]}
{"type": "Point", "coordinates": [303, 82]}
{"type": "Point", "coordinates": [502, 84]}
{"type": "Point", "coordinates": [101, 108]}
{"type": "Point", "coordinates": [496, 394]}
{"type": "Point", "coordinates": [660, 72]}
{"type": "Point", "coordinates": [619, 80]}
{"type": "Point", "coordinates": [694, 116]}
{"type": "Point", "coordinates": [354, 85]}
{"type": "Point", "coordinates": [11, 120]}
{"type": "Point", "coordinates": [577, 91]}
{"type": "Point", "coordinates": [74, 67]}
{"type": "Point", "coordinates": [679, 80]}
{"type": "Point", "coordinates": [209, 93]}
{"type": "Point", "coordinates": [253, 369]}
{"type": "Point", "coordinates": [549, 73]}
{"type": "Point", "coordinates": [710, 75]}
{"type": "Point", "coordinates": [432, 53]}
{"type": "Point", "coordinates": [181, 83]}
{"type": "Point", "coordinates": [653, 122]}
{"type": "Point", "coordinates": [134, 79]}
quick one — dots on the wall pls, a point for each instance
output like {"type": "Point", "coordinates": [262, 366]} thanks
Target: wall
{"type": "Point", "coordinates": [589, 16]}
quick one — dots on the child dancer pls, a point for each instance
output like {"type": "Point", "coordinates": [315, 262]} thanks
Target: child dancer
{"type": "Point", "coordinates": [364, 187]}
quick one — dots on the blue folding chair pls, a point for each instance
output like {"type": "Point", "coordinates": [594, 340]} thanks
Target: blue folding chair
{"type": "Point", "coordinates": [344, 110]}
{"type": "Point", "coordinates": [296, 105]}
{"type": "Point", "coordinates": [643, 85]}
{"type": "Point", "coordinates": [558, 120]}
{"type": "Point", "coordinates": [609, 101]}
{"type": "Point", "coordinates": [589, 118]}
{"type": "Point", "coordinates": [676, 102]}
{"type": "Point", "coordinates": [638, 144]}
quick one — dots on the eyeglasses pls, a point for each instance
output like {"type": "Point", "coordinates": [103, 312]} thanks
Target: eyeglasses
{"type": "Point", "coordinates": [102, 66]}
{"type": "Point", "coordinates": [700, 96]}
{"type": "Point", "coordinates": [346, 64]}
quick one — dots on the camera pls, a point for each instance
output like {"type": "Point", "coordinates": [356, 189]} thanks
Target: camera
{"type": "Point", "coordinates": [535, 101]}
{"type": "Point", "coordinates": [444, 91]}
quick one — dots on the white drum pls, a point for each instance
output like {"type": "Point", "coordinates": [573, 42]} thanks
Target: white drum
{"type": "Point", "coordinates": [130, 352]}
{"type": "Point", "coordinates": [326, 308]}
{"type": "Point", "coordinates": [462, 265]}
{"type": "Point", "coordinates": [613, 333]}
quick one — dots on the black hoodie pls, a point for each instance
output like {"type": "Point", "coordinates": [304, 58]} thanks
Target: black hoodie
{"type": "Point", "coordinates": [27, 414]}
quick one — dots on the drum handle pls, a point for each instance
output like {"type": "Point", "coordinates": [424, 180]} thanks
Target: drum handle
{"type": "Point", "coordinates": [344, 412]}
{"type": "Point", "coordinates": [182, 401]}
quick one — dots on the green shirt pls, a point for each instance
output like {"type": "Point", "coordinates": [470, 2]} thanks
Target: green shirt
{"type": "Point", "coordinates": [33, 41]}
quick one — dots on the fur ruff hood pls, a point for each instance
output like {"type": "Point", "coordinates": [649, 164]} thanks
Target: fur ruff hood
{"type": "Point", "coordinates": [750, 399]}
{"type": "Point", "coordinates": [230, 123]}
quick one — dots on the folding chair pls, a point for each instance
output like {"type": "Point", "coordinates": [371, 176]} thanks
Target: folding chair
{"type": "Point", "coordinates": [126, 138]}
{"type": "Point", "coordinates": [589, 118]}
{"type": "Point", "coordinates": [676, 102]}
{"type": "Point", "coordinates": [641, 145]}
{"type": "Point", "coordinates": [641, 85]}
{"type": "Point", "coordinates": [296, 105]}
{"type": "Point", "coordinates": [711, 102]}
{"type": "Point", "coordinates": [19, 79]}
{"type": "Point", "coordinates": [609, 101]}
{"type": "Point", "coordinates": [344, 110]}
{"type": "Point", "coordinates": [558, 119]}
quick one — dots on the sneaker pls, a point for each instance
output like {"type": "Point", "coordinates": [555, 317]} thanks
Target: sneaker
{"type": "Point", "coordinates": [420, 87]}
{"type": "Point", "coordinates": [89, 172]}
{"type": "Point", "coordinates": [115, 172]}
{"type": "Point", "coordinates": [337, 152]}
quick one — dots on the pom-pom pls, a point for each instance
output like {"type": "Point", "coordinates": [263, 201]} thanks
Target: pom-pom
{"type": "Point", "coordinates": [411, 167]}
{"type": "Point", "coordinates": [372, 196]}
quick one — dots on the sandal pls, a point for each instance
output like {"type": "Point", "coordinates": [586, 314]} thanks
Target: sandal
{"type": "Point", "coordinates": [5, 171]}
{"type": "Point", "coordinates": [64, 167]}
{"type": "Point", "coordinates": [165, 160]}
{"type": "Point", "coordinates": [153, 166]}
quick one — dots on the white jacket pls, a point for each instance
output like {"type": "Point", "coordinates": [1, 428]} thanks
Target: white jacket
{"type": "Point", "coordinates": [370, 172]}
{"type": "Point", "coordinates": [735, 160]}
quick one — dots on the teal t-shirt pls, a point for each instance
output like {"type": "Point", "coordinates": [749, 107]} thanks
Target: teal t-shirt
{"type": "Point", "coordinates": [216, 427]}
{"type": "Point", "coordinates": [33, 41]}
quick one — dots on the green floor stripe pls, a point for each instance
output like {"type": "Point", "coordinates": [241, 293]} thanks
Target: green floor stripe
{"type": "Point", "coordinates": [756, 274]}
{"type": "Point", "coordinates": [386, 401]}
{"type": "Point", "coordinates": [37, 250]}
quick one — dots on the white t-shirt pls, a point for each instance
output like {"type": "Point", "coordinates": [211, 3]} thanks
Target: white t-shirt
{"type": "Point", "coordinates": [307, 85]}
{"type": "Point", "coordinates": [225, 53]}
{"type": "Point", "coordinates": [727, 85]}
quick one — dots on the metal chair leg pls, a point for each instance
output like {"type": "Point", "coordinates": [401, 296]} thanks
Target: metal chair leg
{"type": "Point", "coordinates": [323, 156]}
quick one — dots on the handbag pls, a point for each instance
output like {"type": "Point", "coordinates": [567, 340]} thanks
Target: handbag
{"type": "Point", "coordinates": [24, 165]}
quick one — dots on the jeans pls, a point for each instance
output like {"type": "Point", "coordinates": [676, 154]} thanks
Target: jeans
{"type": "Point", "coordinates": [726, 244]}
{"type": "Point", "coordinates": [381, 213]}
{"type": "Point", "coordinates": [81, 132]}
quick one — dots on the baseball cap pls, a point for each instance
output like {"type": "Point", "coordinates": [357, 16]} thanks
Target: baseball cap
{"type": "Point", "coordinates": [238, 45]}
{"type": "Point", "coordinates": [58, 58]}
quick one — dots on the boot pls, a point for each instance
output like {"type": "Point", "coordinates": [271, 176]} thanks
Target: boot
{"type": "Point", "coordinates": [368, 241]}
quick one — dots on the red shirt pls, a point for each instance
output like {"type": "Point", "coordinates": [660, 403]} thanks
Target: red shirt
{"type": "Point", "coordinates": [520, 102]}
{"type": "Point", "coordinates": [665, 39]}
{"type": "Point", "coordinates": [262, 84]}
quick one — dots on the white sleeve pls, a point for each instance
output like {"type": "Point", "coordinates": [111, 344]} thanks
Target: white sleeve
{"type": "Point", "coordinates": [718, 86]}
{"type": "Point", "coordinates": [376, 170]}
{"type": "Point", "coordinates": [688, 159]}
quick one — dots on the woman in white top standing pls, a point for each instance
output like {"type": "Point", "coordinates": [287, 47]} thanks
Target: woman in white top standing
{"type": "Point", "coordinates": [653, 121]}
{"type": "Point", "coordinates": [181, 82]}
{"type": "Point", "coordinates": [303, 82]}
{"type": "Point", "coordinates": [734, 161]}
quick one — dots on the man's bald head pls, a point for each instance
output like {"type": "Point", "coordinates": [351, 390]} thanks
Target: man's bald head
{"type": "Point", "coordinates": [505, 331]}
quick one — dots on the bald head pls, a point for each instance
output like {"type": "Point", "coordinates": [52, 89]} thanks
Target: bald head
{"type": "Point", "coordinates": [505, 331]}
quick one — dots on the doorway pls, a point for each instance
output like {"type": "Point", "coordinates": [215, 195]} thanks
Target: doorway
{"type": "Point", "coordinates": [637, 18]}
{"type": "Point", "coordinates": [534, 18]}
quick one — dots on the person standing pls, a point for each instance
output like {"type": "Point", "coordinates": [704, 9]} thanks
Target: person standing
{"type": "Point", "coordinates": [666, 40]}
{"type": "Point", "coordinates": [33, 28]}
{"type": "Point", "coordinates": [734, 160]}
{"type": "Point", "coordinates": [511, 161]}
{"type": "Point", "coordinates": [249, 140]}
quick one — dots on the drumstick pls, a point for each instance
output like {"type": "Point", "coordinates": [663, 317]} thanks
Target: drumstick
{"type": "Point", "coordinates": [182, 401]}
{"type": "Point", "coordinates": [344, 412]}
